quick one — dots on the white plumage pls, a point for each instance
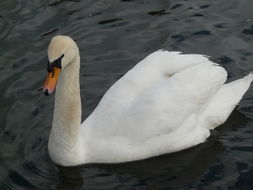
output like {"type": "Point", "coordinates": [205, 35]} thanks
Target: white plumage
{"type": "Point", "coordinates": [166, 103]}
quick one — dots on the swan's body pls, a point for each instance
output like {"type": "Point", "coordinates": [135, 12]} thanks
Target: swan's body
{"type": "Point", "coordinates": [168, 102]}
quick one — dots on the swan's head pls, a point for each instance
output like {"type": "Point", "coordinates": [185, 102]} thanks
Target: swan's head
{"type": "Point", "coordinates": [62, 51]}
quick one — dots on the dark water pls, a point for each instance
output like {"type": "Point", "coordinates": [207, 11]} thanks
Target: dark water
{"type": "Point", "coordinates": [113, 36]}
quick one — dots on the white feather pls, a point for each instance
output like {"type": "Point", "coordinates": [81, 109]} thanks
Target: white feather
{"type": "Point", "coordinates": [168, 102]}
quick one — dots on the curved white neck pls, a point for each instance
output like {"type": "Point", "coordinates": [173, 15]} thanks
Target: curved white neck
{"type": "Point", "coordinates": [65, 134]}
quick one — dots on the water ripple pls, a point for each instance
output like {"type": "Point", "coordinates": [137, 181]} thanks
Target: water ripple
{"type": "Point", "coordinates": [113, 36]}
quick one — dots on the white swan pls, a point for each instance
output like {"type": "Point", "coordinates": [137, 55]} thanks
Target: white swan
{"type": "Point", "coordinates": [168, 102]}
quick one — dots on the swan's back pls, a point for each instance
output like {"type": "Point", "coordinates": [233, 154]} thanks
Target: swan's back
{"type": "Point", "coordinates": [166, 103]}
{"type": "Point", "coordinates": [154, 68]}
{"type": "Point", "coordinates": [157, 66]}
{"type": "Point", "coordinates": [148, 74]}
{"type": "Point", "coordinates": [164, 107]}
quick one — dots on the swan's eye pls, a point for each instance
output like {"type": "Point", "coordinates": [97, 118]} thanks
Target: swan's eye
{"type": "Point", "coordinates": [55, 63]}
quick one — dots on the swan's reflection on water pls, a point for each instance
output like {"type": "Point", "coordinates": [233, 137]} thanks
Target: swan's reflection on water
{"type": "Point", "coordinates": [166, 171]}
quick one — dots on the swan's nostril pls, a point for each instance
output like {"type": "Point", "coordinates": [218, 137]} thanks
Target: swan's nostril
{"type": "Point", "coordinates": [46, 92]}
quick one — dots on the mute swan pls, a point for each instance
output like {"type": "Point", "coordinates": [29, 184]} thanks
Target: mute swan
{"type": "Point", "coordinates": [168, 102]}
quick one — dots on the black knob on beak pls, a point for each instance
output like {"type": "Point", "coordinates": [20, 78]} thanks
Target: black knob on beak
{"type": "Point", "coordinates": [49, 67]}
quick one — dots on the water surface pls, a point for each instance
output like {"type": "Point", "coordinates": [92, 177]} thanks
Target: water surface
{"type": "Point", "coordinates": [113, 36]}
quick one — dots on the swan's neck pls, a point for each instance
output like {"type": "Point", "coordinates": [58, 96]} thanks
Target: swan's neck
{"type": "Point", "coordinates": [65, 134]}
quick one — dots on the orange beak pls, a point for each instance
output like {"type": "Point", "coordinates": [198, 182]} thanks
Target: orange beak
{"type": "Point", "coordinates": [51, 81]}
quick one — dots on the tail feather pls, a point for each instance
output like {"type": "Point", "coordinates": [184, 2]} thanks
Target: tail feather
{"type": "Point", "coordinates": [225, 100]}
